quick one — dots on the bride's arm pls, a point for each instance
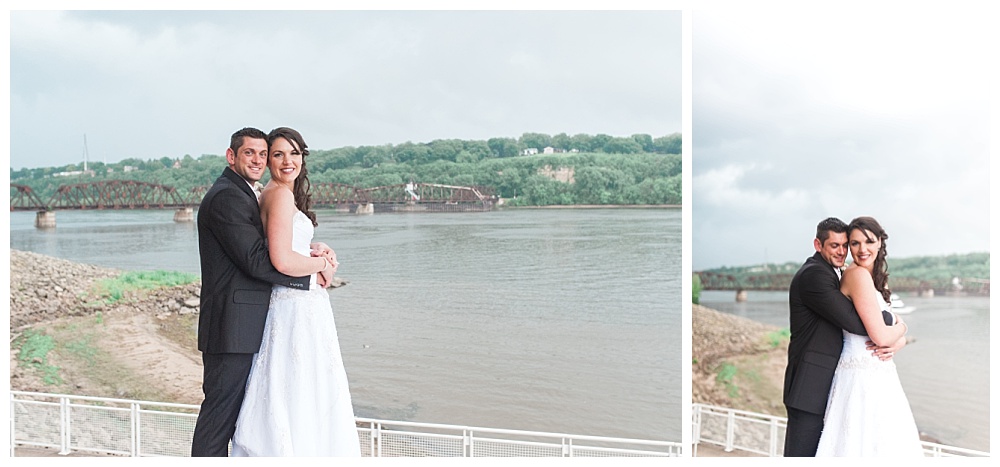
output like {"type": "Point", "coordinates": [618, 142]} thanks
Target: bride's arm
{"type": "Point", "coordinates": [857, 284]}
{"type": "Point", "coordinates": [277, 208]}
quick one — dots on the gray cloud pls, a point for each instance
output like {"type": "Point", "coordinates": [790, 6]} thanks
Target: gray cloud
{"type": "Point", "coordinates": [808, 114]}
{"type": "Point", "coordinates": [150, 84]}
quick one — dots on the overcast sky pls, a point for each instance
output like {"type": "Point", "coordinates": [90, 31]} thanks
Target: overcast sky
{"type": "Point", "coordinates": [805, 113]}
{"type": "Point", "coordinates": [149, 84]}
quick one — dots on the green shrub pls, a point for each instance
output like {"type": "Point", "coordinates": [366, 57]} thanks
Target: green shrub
{"type": "Point", "coordinates": [114, 288]}
{"type": "Point", "coordinates": [35, 348]}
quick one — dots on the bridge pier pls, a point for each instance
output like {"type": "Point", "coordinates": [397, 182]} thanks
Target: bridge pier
{"type": "Point", "coordinates": [45, 220]}
{"type": "Point", "coordinates": [741, 295]}
{"type": "Point", "coordinates": [184, 215]}
{"type": "Point", "coordinates": [367, 208]}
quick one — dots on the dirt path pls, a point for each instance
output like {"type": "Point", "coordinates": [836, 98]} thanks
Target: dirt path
{"type": "Point", "coordinates": [140, 346]}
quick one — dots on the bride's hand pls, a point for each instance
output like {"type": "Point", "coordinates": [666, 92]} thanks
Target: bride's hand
{"type": "Point", "coordinates": [321, 249]}
{"type": "Point", "coordinates": [325, 277]}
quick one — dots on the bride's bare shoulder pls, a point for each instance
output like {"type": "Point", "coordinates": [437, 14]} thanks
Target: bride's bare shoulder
{"type": "Point", "coordinates": [274, 196]}
{"type": "Point", "coordinates": [856, 274]}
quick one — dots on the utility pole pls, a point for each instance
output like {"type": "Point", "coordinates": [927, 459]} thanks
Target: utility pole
{"type": "Point", "coordinates": [85, 154]}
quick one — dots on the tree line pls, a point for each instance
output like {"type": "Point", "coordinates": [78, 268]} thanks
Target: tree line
{"type": "Point", "coordinates": [580, 169]}
{"type": "Point", "coordinates": [929, 269]}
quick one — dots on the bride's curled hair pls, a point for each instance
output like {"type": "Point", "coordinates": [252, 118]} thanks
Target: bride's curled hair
{"type": "Point", "coordinates": [303, 200]}
{"type": "Point", "coordinates": [880, 271]}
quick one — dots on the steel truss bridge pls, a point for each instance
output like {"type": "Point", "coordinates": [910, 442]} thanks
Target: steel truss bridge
{"type": "Point", "coordinates": [131, 194]}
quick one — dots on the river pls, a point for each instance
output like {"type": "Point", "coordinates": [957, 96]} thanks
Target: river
{"type": "Point", "coordinates": [945, 372]}
{"type": "Point", "coordinates": [546, 320]}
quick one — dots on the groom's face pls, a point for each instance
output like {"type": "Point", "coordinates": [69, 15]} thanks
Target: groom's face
{"type": "Point", "coordinates": [833, 249]}
{"type": "Point", "coordinates": [250, 159]}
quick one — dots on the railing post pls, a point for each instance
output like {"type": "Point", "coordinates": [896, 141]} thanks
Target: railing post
{"type": "Point", "coordinates": [773, 452]}
{"type": "Point", "coordinates": [567, 444]}
{"type": "Point", "coordinates": [378, 437]}
{"type": "Point", "coordinates": [13, 425]}
{"type": "Point", "coordinates": [696, 436]}
{"type": "Point", "coordinates": [64, 426]}
{"type": "Point", "coordinates": [467, 443]}
{"type": "Point", "coordinates": [730, 429]}
{"type": "Point", "coordinates": [134, 424]}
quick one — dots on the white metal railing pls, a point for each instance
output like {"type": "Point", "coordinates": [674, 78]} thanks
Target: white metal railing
{"type": "Point", "coordinates": [764, 434]}
{"type": "Point", "coordinates": [140, 428]}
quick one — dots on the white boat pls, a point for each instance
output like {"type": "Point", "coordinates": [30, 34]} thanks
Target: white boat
{"type": "Point", "coordinates": [898, 307]}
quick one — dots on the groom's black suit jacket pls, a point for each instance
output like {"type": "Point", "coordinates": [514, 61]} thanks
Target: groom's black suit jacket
{"type": "Point", "coordinates": [818, 313]}
{"type": "Point", "coordinates": [236, 271]}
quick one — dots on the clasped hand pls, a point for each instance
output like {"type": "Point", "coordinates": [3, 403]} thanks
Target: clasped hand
{"type": "Point", "coordinates": [325, 277]}
{"type": "Point", "coordinates": [886, 352]}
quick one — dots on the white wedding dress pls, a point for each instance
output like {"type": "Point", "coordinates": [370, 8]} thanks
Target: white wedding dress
{"type": "Point", "coordinates": [867, 414]}
{"type": "Point", "coordinates": [297, 400]}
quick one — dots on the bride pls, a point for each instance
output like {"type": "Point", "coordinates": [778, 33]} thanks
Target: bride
{"type": "Point", "coordinates": [867, 413]}
{"type": "Point", "coordinates": [297, 399]}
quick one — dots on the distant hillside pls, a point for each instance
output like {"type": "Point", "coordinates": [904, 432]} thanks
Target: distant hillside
{"type": "Point", "coordinates": [533, 170]}
{"type": "Point", "coordinates": [911, 274]}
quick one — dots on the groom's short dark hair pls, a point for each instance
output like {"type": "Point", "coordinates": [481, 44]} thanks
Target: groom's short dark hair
{"type": "Point", "coordinates": [237, 139]}
{"type": "Point", "coordinates": [830, 224]}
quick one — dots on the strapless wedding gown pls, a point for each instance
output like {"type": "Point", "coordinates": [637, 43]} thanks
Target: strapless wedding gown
{"type": "Point", "coordinates": [297, 400]}
{"type": "Point", "coordinates": [867, 413]}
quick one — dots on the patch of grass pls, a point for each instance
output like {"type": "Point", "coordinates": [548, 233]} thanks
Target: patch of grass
{"type": "Point", "coordinates": [775, 338]}
{"type": "Point", "coordinates": [35, 348]}
{"type": "Point", "coordinates": [113, 289]}
{"type": "Point", "coordinates": [726, 375]}
{"type": "Point", "coordinates": [83, 349]}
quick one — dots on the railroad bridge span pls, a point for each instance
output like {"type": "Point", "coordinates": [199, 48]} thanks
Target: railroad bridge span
{"type": "Point", "coordinates": [133, 194]}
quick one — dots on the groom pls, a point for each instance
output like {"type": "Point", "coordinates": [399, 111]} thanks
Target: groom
{"type": "Point", "coordinates": [236, 275]}
{"type": "Point", "coordinates": [818, 313]}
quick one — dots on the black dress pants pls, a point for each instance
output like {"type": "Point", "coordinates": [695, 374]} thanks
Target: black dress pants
{"type": "Point", "coordinates": [802, 433]}
{"type": "Point", "coordinates": [224, 385]}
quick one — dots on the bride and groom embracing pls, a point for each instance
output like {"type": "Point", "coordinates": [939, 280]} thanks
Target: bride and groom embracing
{"type": "Point", "coordinates": [274, 380]}
{"type": "Point", "coordinates": [842, 392]}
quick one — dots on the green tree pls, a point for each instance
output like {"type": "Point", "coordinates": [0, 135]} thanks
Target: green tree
{"type": "Point", "coordinates": [478, 149]}
{"type": "Point", "coordinates": [582, 143]}
{"type": "Point", "coordinates": [645, 142]}
{"type": "Point", "coordinates": [535, 140]}
{"type": "Point", "coordinates": [562, 141]}
{"type": "Point", "coordinates": [466, 157]}
{"type": "Point", "coordinates": [670, 144]}
{"type": "Point", "coordinates": [622, 146]}
{"type": "Point", "coordinates": [598, 142]}
{"type": "Point", "coordinates": [503, 147]}
{"type": "Point", "coordinates": [443, 149]}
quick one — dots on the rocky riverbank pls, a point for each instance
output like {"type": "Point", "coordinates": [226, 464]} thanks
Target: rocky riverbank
{"type": "Point", "coordinates": [737, 362]}
{"type": "Point", "coordinates": [75, 339]}
{"type": "Point", "coordinates": [44, 288]}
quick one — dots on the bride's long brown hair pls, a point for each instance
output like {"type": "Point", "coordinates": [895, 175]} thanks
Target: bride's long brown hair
{"type": "Point", "coordinates": [880, 271]}
{"type": "Point", "coordinates": [300, 190]}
